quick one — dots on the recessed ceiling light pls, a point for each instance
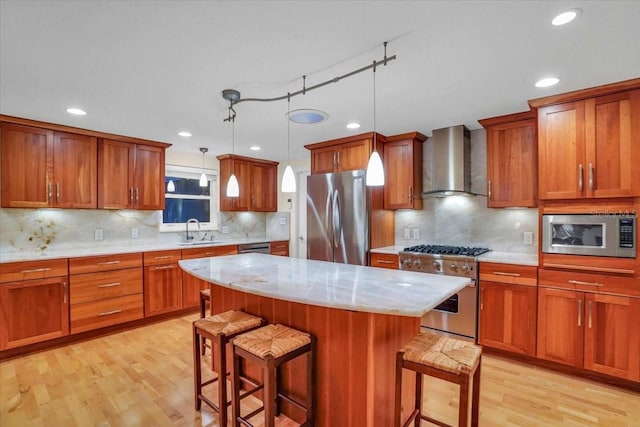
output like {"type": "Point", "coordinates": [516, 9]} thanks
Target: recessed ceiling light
{"type": "Point", "coordinates": [353, 125]}
{"type": "Point", "coordinates": [565, 17]}
{"type": "Point", "coordinates": [546, 82]}
{"type": "Point", "coordinates": [76, 111]}
{"type": "Point", "coordinates": [307, 116]}
{"type": "Point", "coordinates": [254, 148]}
{"type": "Point", "coordinates": [184, 133]}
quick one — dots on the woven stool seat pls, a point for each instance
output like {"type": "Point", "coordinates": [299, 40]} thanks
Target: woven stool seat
{"type": "Point", "coordinates": [272, 340]}
{"type": "Point", "coordinates": [440, 352]}
{"type": "Point", "coordinates": [228, 323]}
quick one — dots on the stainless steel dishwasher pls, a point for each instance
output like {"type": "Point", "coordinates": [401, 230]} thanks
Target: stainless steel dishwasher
{"type": "Point", "coordinates": [262, 248]}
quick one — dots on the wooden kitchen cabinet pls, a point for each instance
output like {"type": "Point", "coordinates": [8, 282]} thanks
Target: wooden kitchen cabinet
{"type": "Point", "coordinates": [191, 285]}
{"type": "Point", "coordinates": [389, 261]}
{"type": "Point", "coordinates": [344, 154]}
{"type": "Point", "coordinates": [507, 307]}
{"type": "Point", "coordinates": [279, 248]}
{"type": "Point", "coordinates": [560, 326]}
{"type": "Point", "coordinates": [586, 146]}
{"type": "Point", "coordinates": [34, 302]}
{"type": "Point", "coordinates": [130, 176]}
{"type": "Point", "coordinates": [257, 180]}
{"type": "Point", "coordinates": [162, 282]}
{"type": "Point", "coordinates": [43, 168]}
{"type": "Point", "coordinates": [403, 171]}
{"type": "Point", "coordinates": [512, 159]}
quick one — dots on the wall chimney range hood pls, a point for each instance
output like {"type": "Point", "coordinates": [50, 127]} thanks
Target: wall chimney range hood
{"type": "Point", "coordinates": [451, 162]}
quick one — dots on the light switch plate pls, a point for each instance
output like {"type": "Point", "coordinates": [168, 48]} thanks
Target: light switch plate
{"type": "Point", "coordinates": [528, 238]}
{"type": "Point", "coordinates": [282, 220]}
{"type": "Point", "coordinates": [415, 233]}
{"type": "Point", "coordinates": [98, 234]}
{"type": "Point", "coordinates": [406, 234]}
{"type": "Point", "coordinates": [135, 233]}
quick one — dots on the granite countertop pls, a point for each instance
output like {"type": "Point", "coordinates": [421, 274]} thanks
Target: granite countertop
{"type": "Point", "coordinates": [119, 249]}
{"type": "Point", "coordinates": [491, 256]}
{"type": "Point", "coordinates": [327, 284]}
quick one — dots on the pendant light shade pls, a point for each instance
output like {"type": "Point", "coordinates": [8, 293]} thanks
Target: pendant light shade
{"type": "Point", "coordinates": [288, 180]}
{"type": "Point", "coordinates": [375, 170]}
{"type": "Point", "coordinates": [203, 178]}
{"type": "Point", "coordinates": [171, 187]}
{"type": "Point", "coordinates": [233, 189]}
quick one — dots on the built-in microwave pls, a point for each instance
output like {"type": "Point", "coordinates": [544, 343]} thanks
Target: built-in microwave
{"type": "Point", "coordinates": [598, 234]}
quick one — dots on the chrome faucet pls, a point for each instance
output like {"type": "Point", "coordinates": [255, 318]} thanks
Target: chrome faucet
{"type": "Point", "coordinates": [189, 221]}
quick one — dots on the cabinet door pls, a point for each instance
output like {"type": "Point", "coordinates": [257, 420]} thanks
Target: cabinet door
{"type": "Point", "coordinates": [32, 311]}
{"type": "Point", "coordinates": [264, 187]}
{"type": "Point", "coordinates": [512, 165]}
{"type": "Point", "coordinates": [508, 317]}
{"type": "Point", "coordinates": [323, 160]}
{"type": "Point", "coordinates": [612, 335]}
{"type": "Point", "coordinates": [27, 156]}
{"type": "Point", "coordinates": [115, 178]}
{"type": "Point", "coordinates": [561, 151]}
{"type": "Point", "coordinates": [560, 326]}
{"type": "Point", "coordinates": [75, 171]}
{"type": "Point", "coordinates": [162, 289]}
{"type": "Point", "coordinates": [191, 287]}
{"type": "Point", "coordinates": [148, 178]}
{"type": "Point", "coordinates": [355, 155]}
{"type": "Point", "coordinates": [243, 174]}
{"type": "Point", "coordinates": [279, 248]}
{"type": "Point", "coordinates": [612, 154]}
{"type": "Point", "coordinates": [398, 165]}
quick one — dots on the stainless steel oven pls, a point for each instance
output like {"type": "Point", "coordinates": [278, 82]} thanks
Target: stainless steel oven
{"type": "Point", "coordinates": [598, 234]}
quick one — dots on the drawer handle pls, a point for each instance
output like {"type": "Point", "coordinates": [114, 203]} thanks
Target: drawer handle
{"type": "Point", "coordinates": [382, 261]}
{"type": "Point", "coordinates": [107, 313]}
{"type": "Point", "coordinates": [579, 312]}
{"type": "Point", "coordinates": [500, 273]}
{"type": "Point", "coordinates": [108, 263]}
{"type": "Point", "coordinates": [35, 270]}
{"type": "Point", "coordinates": [578, 282]}
{"type": "Point", "coordinates": [109, 285]}
{"type": "Point", "coordinates": [164, 267]}
{"type": "Point", "coordinates": [211, 253]}
{"type": "Point", "coordinates": [164, 257]}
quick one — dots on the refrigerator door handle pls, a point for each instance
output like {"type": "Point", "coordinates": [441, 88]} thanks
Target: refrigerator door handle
{"type": "Point", "coordinates": [328, 212]}
{"type": "Point", "coordinates": [337, 226]}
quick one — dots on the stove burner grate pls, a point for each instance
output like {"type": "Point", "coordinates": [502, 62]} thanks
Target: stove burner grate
{"type": "Point", "coordinates": [447, 250]}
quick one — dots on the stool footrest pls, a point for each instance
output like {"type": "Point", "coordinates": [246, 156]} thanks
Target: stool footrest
{"type": "Point", "coordinates": [254, 413]}
{"type": "Point", "coordinates": [434, 421]}
{"type": "Point", "coordinates": [209, 402]}
{"type": "Point", "coordinates": [291, 401]}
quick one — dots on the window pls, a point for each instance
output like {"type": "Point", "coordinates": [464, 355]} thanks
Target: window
{"type": "Point", "coordinates": [185, 199]}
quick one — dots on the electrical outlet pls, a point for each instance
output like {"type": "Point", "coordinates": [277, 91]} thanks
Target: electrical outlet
{"type": "Point", "coordinates": [98, 234]}
{"type": "Point", "coordinates": [415, 233]}
{"type": "Point", "coordinates": [134, 233]}
{"type": "Point", "coordinates": [407, 234]}
{"type": "Point", "coordinates": [528, 238]}
{"type": "Point", "coordinates": [282, 220]}
{"type": "Point", "coordinates": [225, 229]}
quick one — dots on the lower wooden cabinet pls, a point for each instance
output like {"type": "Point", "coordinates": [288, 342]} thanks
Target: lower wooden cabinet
{"type": "Point", "coordinates": [384, 260]}
{"type": "Point", "coordinates": [279, 248]}
{"type": "Point", "coordinates": [162, 289]}
{"type": "Point", "coordinates": [106, 312]}
{"type": "Point", "coordinates": [191, 287]}
{"type": "Point", "coordinates": [33, 310]}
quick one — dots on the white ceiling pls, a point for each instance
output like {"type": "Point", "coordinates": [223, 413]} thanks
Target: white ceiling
{"type": "Point", "coordinates": [150, 69]}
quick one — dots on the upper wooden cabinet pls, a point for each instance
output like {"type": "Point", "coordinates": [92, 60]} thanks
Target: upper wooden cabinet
{"type": "Point", "coordinates": [512, 159]}
{"type": "Point", "coordinates": [257, 180]}
{"type": "Point", "coordinates": [343, 154]}
{"type": "Point", "coordinates": [403, 171]}
{"type": "Point", "coordinates": [587, 146]}
{"type": "Point", "coordinates": [43, 168]}
{"type": "Point", "coordinates": [130, 176]}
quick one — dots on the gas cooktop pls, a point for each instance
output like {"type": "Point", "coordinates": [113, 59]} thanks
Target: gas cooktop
{"type": "Point", "coordinates": [447, 250]}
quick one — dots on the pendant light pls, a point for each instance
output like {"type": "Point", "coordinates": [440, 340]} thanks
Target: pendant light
{"type": "Point", "coordinates": [288, 179]}
{"type": "Point", "coordinates": [204, 182]}
{"type": "Point", "coordinates": [171, 187]}
{"type": "Point", "coordinates": [375, 171]}
{"type": "Point", "coordinates": [233, 188]}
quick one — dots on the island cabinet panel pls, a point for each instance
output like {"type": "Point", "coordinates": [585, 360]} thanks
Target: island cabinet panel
{"type": "Point", "coordinates": [43, 168]}
{"type": "Point", "coordinates": [355, 347]}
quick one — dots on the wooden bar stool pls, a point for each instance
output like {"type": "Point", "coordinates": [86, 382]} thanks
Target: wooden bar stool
{"type": "Point", "coordinates": [219, 329]}
{"type": "Point", "coordinates": [270, 347]}
{"type": "Point", "coordinates": [205, 297]}
{"type": "Point", "coordinates": [446, 358]}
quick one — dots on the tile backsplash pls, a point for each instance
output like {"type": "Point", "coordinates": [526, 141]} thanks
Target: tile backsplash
{"type": "Point", "coordinates": [465, 220]}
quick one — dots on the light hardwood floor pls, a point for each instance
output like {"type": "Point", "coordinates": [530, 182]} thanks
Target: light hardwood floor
{"type": "Point", "coordinates": [143, 377]}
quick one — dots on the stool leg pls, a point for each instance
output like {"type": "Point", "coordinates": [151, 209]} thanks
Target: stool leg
{"type": "Point", "coordinates": [269, 392]}
{"type": "Point", "coordinates": [278, 388]}
{"type": "Point", "coordinates": [197, 372]}
{"type": "Point", "coordinates": [475, 400]}
{"type": "Point", "coordinates": [310, 388]}
{"type": "Point", "coordinates": [463, 409]}
{"type": "Point", "coordinates": [397, 421]}
{"type": "Point", "coordinates": [418, 404]}
{"type": "Point", "coordinates": [222, 380]}
{"type": "Point", "coordinates": [202, 315]}
{"type": "Point", "coordinates": [235, 386]}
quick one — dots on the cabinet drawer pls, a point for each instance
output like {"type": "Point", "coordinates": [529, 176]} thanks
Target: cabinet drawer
{"type": "Point", "coordinates": [509, 273]}
{"type": "Point", "coordinates": [112, 311]}
{"type": "Point", "coordinates": [279, 248]}
{"type": "Point", "coordinates": [104, 263]}
{"type": "Point", "coordinates": [27, 270]}
{"type": "Point", "coordinates": [209, 251]}
{"type": "Point", "coordinates": [384, 261]}
{"type": "Point", "coordinates": [589, 282]}
{"type": "Point", "coordinates": [162, 257]}
{"type": "Point", "coordinates": [109, 284]}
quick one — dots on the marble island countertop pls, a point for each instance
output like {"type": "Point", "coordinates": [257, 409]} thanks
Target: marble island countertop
{"type": "Point", "coordinates": [16, 256]}
{"type": "Point", "coordinates": [326, 284]}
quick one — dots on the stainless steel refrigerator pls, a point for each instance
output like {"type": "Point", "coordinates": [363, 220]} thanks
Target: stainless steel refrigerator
{"type": "Point", "coordinates": [338, 214]}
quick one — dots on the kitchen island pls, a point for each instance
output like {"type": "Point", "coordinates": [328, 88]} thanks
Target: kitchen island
{"type": "Point", "coordinates": [360, 316]}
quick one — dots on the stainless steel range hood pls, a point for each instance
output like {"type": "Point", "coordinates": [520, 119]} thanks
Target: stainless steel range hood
{"type": "Point", "coordinates": [451, 162]}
